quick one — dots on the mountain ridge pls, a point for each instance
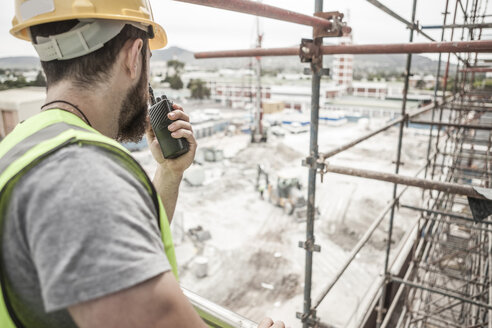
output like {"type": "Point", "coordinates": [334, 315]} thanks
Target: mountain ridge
{"type": "Point", "coordinates": [362, 63]}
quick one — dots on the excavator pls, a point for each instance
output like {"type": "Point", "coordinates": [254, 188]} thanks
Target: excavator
{"type": "Point", "coordinates": [286, 193]}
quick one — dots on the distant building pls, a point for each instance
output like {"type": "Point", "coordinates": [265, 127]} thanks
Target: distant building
{"type": "Point", "coordinates": [422, 82]}
{"type": "Point", "coordinates": [369, 89]}
{"type": "Point", "coordinates": [270, 107]}
{"type": "Point", "coordinates": [233, 95]}
{"type": "Point", "coordinates": [17, 105]}
{"type": "Point", "coordinates": [342, 69]}
{"type": "Point", "coordinates": [30, 76]}
{"type": "Point", "coordinates": [292, 96]}
{"type": "Point", "coordinates": [293, 76]}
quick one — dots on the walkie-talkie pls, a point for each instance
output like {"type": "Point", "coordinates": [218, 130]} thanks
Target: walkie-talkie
{"type": "Point", "coordinates": [171, 147]}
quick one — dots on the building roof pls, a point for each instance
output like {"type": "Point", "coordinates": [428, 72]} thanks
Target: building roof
{"type": "Point", "coordinates": [363, 102]}
{"type": "Point", "coordinates": [369, 84]}
{"type": "Point", "coordinates": [303, 90]}
{"type": "Point", "coordinates": [13, 99]}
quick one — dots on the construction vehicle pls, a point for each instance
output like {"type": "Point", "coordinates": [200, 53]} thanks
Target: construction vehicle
{"type": "Point", "coordinates": [287, 192]}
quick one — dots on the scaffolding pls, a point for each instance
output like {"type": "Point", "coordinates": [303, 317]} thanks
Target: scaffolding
{"type": "Point", "coordinates": [441, 277]}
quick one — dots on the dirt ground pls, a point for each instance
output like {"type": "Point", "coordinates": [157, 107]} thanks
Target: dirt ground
{"type": "Point", "coordinates": [255, 266]}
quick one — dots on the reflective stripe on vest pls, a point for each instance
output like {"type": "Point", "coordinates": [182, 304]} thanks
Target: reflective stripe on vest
{"type": "Point", "coordinates": [40, 136]}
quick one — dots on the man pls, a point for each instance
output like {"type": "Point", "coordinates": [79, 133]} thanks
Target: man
{"type": "Point", "coordinates": [85, 238]}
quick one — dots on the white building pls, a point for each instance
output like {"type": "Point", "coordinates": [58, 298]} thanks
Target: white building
{"type": "Point", "coordinates": [296, 97]}
{"type": "Point", "coordinates": [17, 105]}
{"type": "Point", "coordinates": [30, 76]}
{"type": "Point", "coordinates": [369, 89]}
{"type": "Point", "coordinates": [342, 69]}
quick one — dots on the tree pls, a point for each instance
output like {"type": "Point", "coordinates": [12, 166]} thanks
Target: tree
{"type": "Point", "coordinates": [176, 65]}
{"type": "Point", "coordinates": [420, 84]}
{"type": "Point", "coordinates": [198, 89]}
{"type": "Point", "coordinates": [175, 80]}
{"type": "Point", "coordinates": [40, 80]}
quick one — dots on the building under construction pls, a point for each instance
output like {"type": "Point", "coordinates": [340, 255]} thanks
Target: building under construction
{"type": "Point", "coordinates": [440, 275]}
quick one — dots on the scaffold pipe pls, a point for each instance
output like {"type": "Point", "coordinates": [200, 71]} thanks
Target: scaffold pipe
{"type": "Point", "coordinates": [482, 25]}
{"type": "Point", "coordinates": [354, 49]}
{"type": "Point", "coordinates": [441, 292]}
{"type": "Point", "coordinates": [476, 70]}
{"type": "Point", "coordinates": [454, 125]}
{"type": "Point", "coordinates": [390, 12]}
{"type": "Point", "coordinates": [357, 141]}
{"type": "Point", "coordinates": [447, 187]}
{"type": "Point", "coordinates": [259, 9]}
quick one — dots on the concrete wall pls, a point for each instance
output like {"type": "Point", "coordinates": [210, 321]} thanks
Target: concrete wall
{"type": "Point", "coordinates": [17, 105]}
{"type": "Point", "coordinates": [29, 109]}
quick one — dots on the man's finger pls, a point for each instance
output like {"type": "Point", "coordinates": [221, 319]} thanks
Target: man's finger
{"type": "Point", "coordinates": [178, 115]}
{"type": "Point", "coordinates": [180, 125]}
{"type": "Point", "coordinates": [266, 323]}
{"type": "Point", "coordinates": [178, 107]}
{"type": "Point", "coordinates": [187, 134]}
{"type": "Point", "coordinates": [278, 324]}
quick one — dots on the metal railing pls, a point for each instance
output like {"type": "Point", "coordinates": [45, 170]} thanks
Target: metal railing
{"type": "Point", "coordinates": [215, 315]}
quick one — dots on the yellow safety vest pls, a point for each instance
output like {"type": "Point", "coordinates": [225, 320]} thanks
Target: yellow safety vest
{"type": "Point", "coordinates": [38, 137]}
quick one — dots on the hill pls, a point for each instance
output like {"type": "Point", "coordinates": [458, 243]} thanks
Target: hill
{"type": "Point", "coordinates": [362, 63]}
{"type": "Point", "coordinates": [24, 62]}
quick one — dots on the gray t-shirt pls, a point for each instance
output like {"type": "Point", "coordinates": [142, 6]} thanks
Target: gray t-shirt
{"type": "Point", "coordinates": [79, 226]}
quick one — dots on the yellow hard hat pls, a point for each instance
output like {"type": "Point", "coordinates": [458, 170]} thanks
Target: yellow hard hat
{"type": "Point", "coordinates": [34, 12]}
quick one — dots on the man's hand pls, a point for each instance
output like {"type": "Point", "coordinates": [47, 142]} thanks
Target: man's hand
{"type": "Point", "coordinates": [180, 128]}
{"type": "Point", "coordinates": [268, 323]}
{"type": "Point", "coordinates": [170, 171]}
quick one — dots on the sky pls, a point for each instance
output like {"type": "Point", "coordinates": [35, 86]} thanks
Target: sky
{"type": "Point", "coordinates": [199, 28]}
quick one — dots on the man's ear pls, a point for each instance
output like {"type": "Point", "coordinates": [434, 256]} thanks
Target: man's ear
{"type": "Point", "coordinates": [132, 61]}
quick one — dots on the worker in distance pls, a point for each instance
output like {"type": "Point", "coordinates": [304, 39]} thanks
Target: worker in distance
{"type": "Point", "coordinates": [85, 238]}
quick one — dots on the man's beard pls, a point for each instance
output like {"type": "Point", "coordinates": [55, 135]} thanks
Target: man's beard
{"type": "Point", "coordinates": [133, 114]}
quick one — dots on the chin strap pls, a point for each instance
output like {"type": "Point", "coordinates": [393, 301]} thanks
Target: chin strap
{"type": "Point", "coordinates": [85, 38]}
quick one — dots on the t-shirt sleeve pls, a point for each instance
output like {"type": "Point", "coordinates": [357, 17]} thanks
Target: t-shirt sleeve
{"type": "Point", "coordinates": [91, 227]}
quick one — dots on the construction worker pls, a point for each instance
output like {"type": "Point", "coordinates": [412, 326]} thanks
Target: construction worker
{"type": "Point", "coordinates": [85, 239]}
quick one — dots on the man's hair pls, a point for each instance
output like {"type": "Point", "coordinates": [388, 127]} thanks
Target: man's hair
{"type": "Point", "coordinates": [91, 69]}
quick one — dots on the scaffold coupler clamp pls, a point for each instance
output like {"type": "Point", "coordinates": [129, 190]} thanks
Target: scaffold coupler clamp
{"type": "Point", "coordinates": [415, 26]}
{"type": "Point", "coordinates": [406, 119]}
{"type": "Point", "coordinates": [310, 52]}
{"type": "Point", "coordinates": [338, 27]}
{"type": "Point", "coordinates": [317, 164]}
{"type": "Point", "coordinates": [323, 168]}
{"type": "Point", "coordinates": [310, 49]}
{"type": "Point", "coordinates": [310, 245]}
{"type": "Point", "coordinates": [309, 318]}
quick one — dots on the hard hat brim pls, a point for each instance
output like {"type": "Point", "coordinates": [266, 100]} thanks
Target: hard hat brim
{"type": "Point", "coordinates": [158, 42]}
{"type": "Point", "coordinates": [160, 38]}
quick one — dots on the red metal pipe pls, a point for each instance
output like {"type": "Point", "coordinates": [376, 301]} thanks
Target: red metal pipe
{"type": "Point", "coordinates": [248, 53]}
{"type": "Point", "coordinates": [404, 48]}
{"type": "Point", "coordinates": [447, 187]}
{"type": "Point", "coordinates": [259, 9]}
{"type": "Point", "coordinates": [477, 70]}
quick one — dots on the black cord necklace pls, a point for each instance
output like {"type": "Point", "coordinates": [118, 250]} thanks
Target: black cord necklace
{"type": "Point", "coordinates": [67, 103]}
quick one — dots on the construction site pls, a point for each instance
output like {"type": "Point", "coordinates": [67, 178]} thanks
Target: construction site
{"type": "Point", "coordinates": [380, 223]}
{"type": "Point", "coordinates": [365, 208]}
